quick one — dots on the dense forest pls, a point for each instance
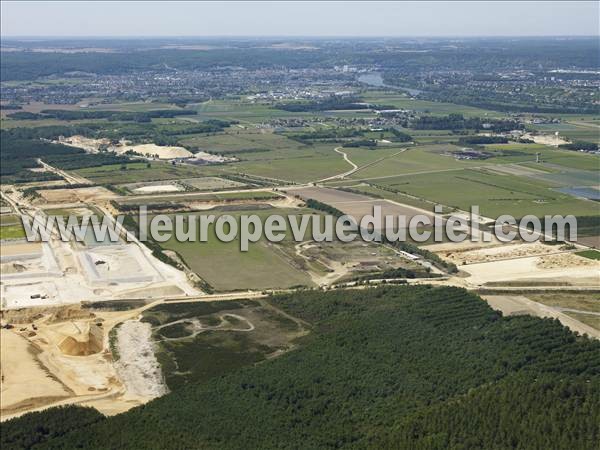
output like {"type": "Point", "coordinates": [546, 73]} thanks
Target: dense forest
{"type": "Point", "coordinates": [479, 140]}
{"type": "Point", "coordinates": [60, 114]}
{"type": "Point", "coordinates": [411, 367]}
{"type": "Point", "coordinates": [20, 147]}
{"type": "Point", "coordinates": [459, 122]}
{"type": "Point", "coordinates": [17, 156]}
{"type": "Point", "coordinates": [581, 145]}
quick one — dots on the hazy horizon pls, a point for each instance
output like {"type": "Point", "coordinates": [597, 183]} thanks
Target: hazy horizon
{"type": "Point", "coordinates": [137, 19]}
{"type": "Point", "coordinates": [270, 37]}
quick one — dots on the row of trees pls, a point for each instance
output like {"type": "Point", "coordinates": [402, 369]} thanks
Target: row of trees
{"type": "Point", "coordinates": [459, 122]}
{"type": "Point", "coordinates": [581, 145]}
{"type": "Point", "coordinates": [138, 116]}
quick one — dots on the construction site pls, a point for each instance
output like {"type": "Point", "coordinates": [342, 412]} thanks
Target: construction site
{"type": "Point", "coordinates": [58, 273]}
{"type": "Point", "coordinates": [61, 355]}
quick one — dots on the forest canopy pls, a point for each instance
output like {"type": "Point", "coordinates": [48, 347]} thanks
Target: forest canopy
{"type": "Point", "coordinates": [402, 367]}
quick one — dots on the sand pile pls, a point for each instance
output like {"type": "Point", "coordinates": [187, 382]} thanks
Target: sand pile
{"type": "Point", "coordinates": [88, 342]}
{"type": "Point", "coordinates": [158, 151]}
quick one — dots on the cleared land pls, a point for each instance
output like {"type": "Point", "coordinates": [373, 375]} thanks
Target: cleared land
{"type": "Point", "coordinates": [359, 206]}
{"type": "Point", "coordinates": [197, 342]}
{"type": "Point", "coordinates": [521, 305]}
{"type": "Point", "coordinates": [75, 195]}
{"type": "Point", "coordinates": [25, 383]}
{"type": "Point", "coordinates": [569, 270]}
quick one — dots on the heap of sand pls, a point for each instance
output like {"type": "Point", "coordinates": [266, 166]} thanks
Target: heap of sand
{"type": "Point", "coordinates": [87, 341]}
{"type": "Point", "coordinates": [159, 151]}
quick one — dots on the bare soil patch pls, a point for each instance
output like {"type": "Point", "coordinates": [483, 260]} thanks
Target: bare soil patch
{"type": "Point", "coordinates": [75, 195]}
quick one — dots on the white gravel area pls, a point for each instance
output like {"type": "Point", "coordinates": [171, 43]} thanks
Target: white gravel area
{"type": "Point", "coordinates": [137, 366]}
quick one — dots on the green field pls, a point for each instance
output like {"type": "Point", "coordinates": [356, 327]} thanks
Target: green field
{"type": "Point", "coordinates": [416, 159]}
{"type": "Point", "coordinates": [299, 167]}
{"type": "Point", "coordinates": [14, 231]}
{"type": "Point", "coordinates": [133, 106]}
{"type": "Point", "coordinates": [225, 267]}
{"type": "Point", "coordinates": [433, 108]}
{"type": "Point", "coordinates": [591, 254]}
{"type": "Point", "coordinates": [494, 193]}
{"type": "Point", "coordinates": [252, 112]}
{"type": "Point", "coordinates": [236, 139]}
{"type": "Point", "coordinates": [432, 157]}
{"type": "Point", "coordinates": [278, 157]}
{"type": "Point", "coordinates": [139, 171]}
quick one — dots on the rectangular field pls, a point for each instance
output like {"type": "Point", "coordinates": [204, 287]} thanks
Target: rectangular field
{"type": "Point", "coordinates": [495, 194]}
{"type": "Point", "coordinates": [136, 172]}
{"type": "Point", "coordinates": [211, 183]}
{"type": "Point", "coordinates": [225, 267]}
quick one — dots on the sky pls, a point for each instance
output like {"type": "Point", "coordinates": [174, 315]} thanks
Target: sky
{"type": "Point", "coordinates": [335, 18]}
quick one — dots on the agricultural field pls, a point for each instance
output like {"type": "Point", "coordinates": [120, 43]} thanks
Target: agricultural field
{"type": "Point", "coordinates": [248, 111]}
{"type": "Point", "coordinates": [435, 157]}
{"type": "Point", "coordinates": [136, 172]}
{"type": "Point", "coordinates": [299, 169]}
{"type": "Point", "coordinates": [591, 254]}
{"type": "Point", "coordinates": [495, 194]}
{"type": "Point", "coordinates": [306, 164]}
{"type": "Point", "coordinates": [583, 307]}
{"type": "Point", "coordinates": [224, 267]}
{"type": "Point", "coordinates": [372, 189]}
{"type": "Point", "coordinates": [11, 227]}
{"type": "Point", "coordinates": [245, 143]}
{"type": "Point", "coordinates": [9, 219]}
{"type": "Point", "coordinates": [403, 101]}
{"type": "Point", "coordinates": [133, 106]}
{"type": "Point", "coordinates": [417, 159]}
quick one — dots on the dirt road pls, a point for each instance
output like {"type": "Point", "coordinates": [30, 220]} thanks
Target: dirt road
{"type": "Point", "coordinates": [71, 179]}
{"type": "Point", "coordinates": [341, 175]}
{"type": "Point", "coordinates": [517, 304]}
